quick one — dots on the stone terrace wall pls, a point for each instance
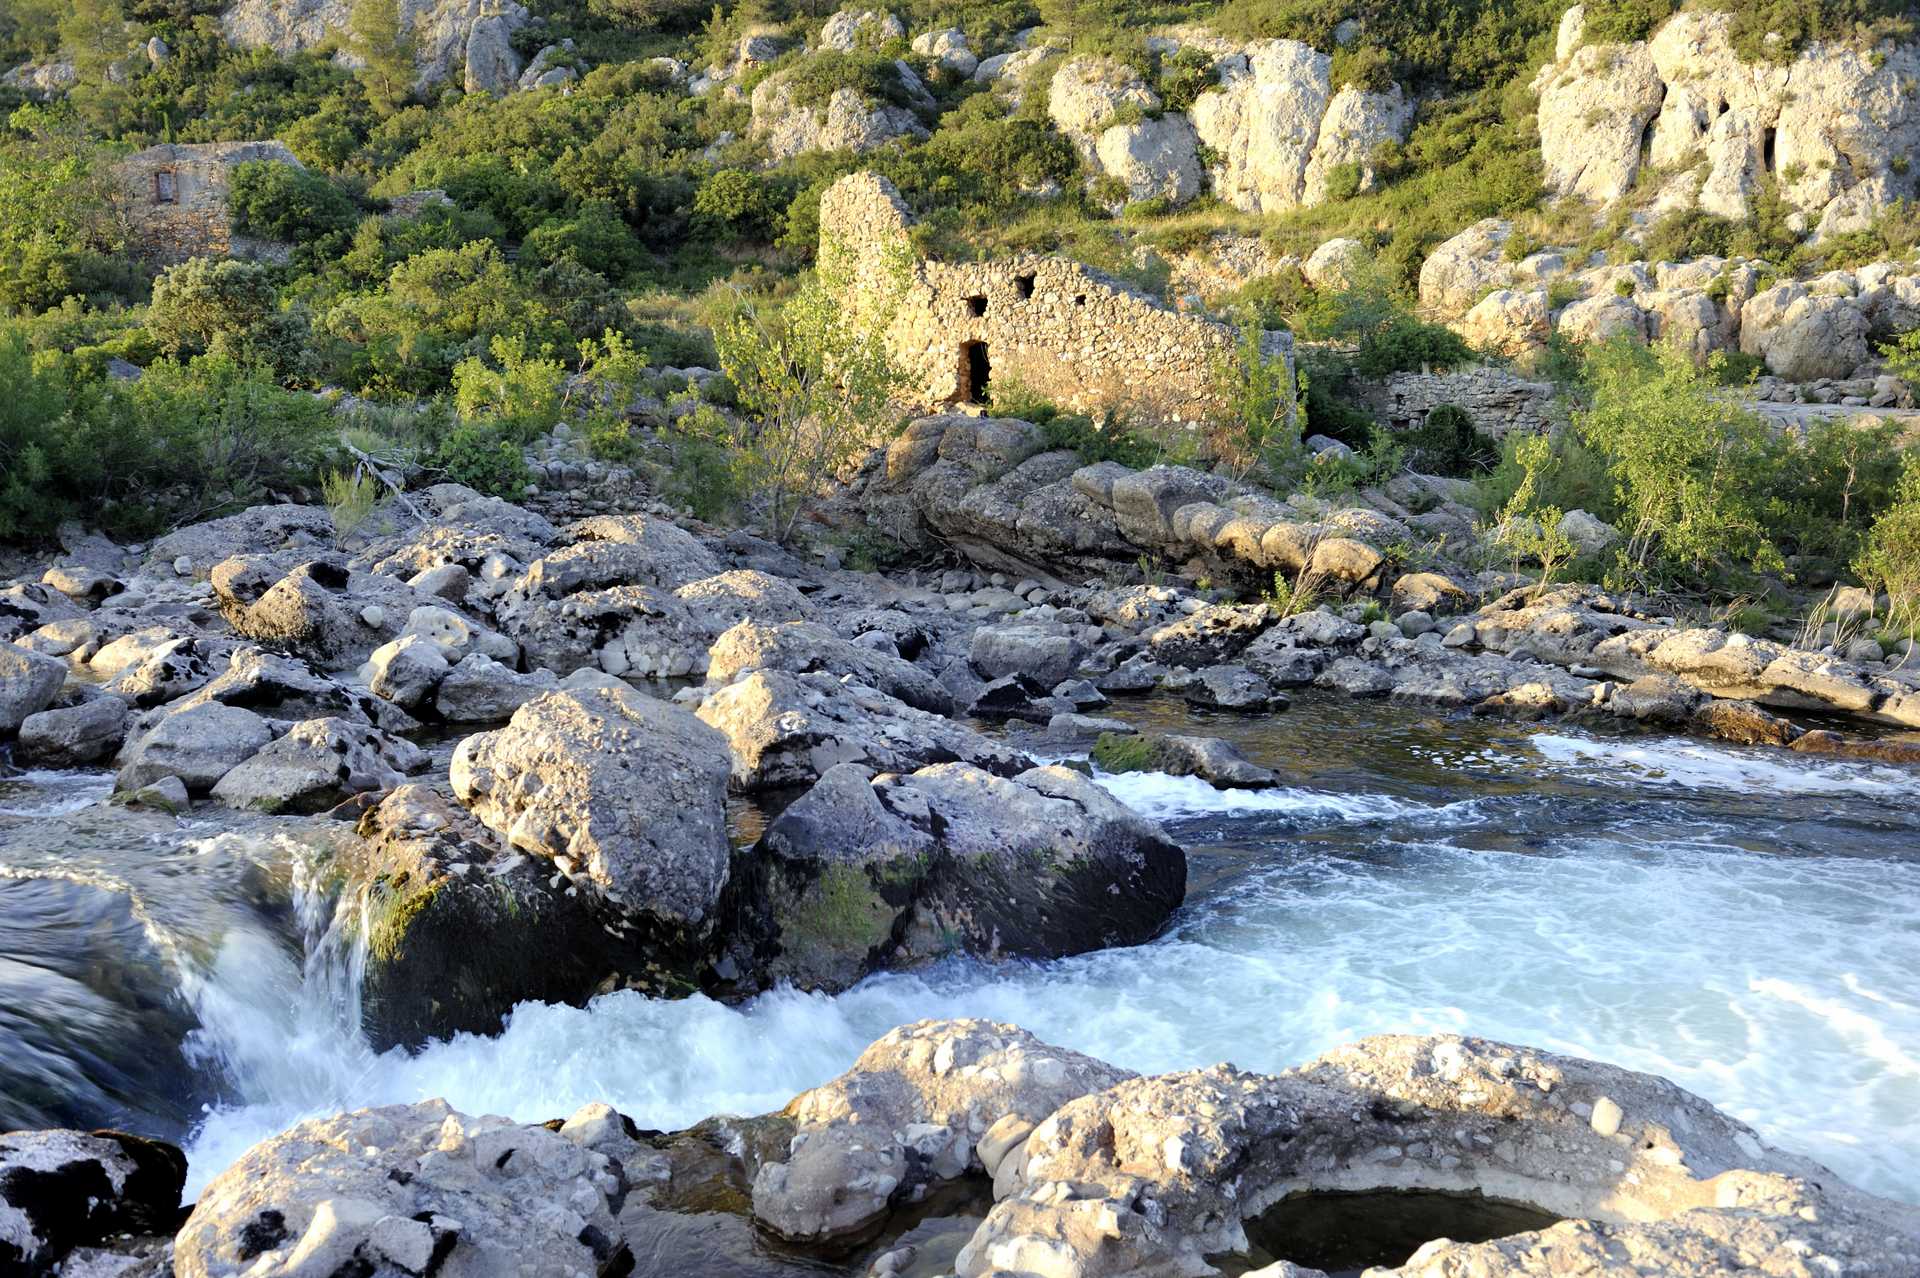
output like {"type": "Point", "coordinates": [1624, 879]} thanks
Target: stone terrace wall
{"type": "Point", "coordinates": [1064, 331]}
{"type": "Point", "coordinates": [194, 222]}
{"type": "Point", "coordinates": [1499, 402]}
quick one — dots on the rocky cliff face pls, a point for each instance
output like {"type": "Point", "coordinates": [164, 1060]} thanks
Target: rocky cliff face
{"type": "Point", "coordinates": [1831, 128]}
{"type": "Point", "coordinates": [466, 41]}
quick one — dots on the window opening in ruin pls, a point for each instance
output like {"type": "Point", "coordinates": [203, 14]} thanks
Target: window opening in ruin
{"type": "Point", "coordinates": [975, 372]}
{"type": "Point", "coordinates": [1766, 150]}
{"type": "Point", "coordinates": [977, 305]}
{"type": "Point", "coordinates": [1025, 285]}
{"type": "Point", "coordinates": [1079, 299]}
{"type": "Point", "coordinates": [163, 186]}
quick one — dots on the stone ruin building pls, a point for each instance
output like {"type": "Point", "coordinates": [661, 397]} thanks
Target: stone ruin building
{"type": "Point", "coordinates": [1061, 330]}
{"type": "Point", "coordinates": [173, 199]}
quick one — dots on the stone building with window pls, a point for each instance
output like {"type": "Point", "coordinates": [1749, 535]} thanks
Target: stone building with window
{"type": "Point", "coordinates": [1056, 328]}
{"type": "Point", "coordinates": [173, 199]}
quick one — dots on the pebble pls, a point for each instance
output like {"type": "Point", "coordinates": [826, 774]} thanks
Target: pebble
{"type": "Point", "coordinates": [374, 615]}
{"type": "Point", "coordinates": [1606, 1116]}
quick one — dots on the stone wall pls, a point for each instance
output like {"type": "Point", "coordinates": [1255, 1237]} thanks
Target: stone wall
{"type": "Point", "coordinates": [1499, 402]}
{"type": "Point", "coordinates": [173, 198]}
{"type": "Point", "coordinates": [1067, 333]}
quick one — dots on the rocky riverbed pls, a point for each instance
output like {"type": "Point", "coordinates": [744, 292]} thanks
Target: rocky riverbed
{"type": "Point", "coordinates": [301, 823]}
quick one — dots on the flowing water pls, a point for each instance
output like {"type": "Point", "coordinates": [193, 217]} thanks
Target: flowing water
{"type": "Point", "coordinates": [1744, 922]}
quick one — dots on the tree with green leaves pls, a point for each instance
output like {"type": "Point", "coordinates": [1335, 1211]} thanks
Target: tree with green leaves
{"type": "Point", "coordinates": [379, 36]}
{"type": "Point", "coordinates": [815, 383]}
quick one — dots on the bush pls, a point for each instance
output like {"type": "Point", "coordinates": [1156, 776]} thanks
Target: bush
{"type": "Point", "coordinates": [483, 457]}
{"type": "Point", "coordinates": [741, 204]}
{"type": "Point", "coordinates": [1448, 443]}
{"type": "Point", "coordinates": [1688, 464]}
{"type": "Point", "coordinates": [1890, 560]}
{"type": "Point", "coordinates": [594, 238]}
{"type": "Point", "coordinates": [205, 305]}
{"type": "Point", "coordinates": [274, 200]}
{"type": "Point", "coordinates": [184, 442]}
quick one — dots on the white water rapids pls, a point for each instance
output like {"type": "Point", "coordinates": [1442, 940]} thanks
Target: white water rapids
{"type": "Point", "coordinates": [1781, 987]}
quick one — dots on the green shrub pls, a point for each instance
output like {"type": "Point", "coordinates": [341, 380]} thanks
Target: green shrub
{"type": "Point", "coordinates": [1448, 443]}
{"type": "Point", "coordinates": [186, 441]}
{"type": "Point", "coordinates": [594, 237]}
{"type": "Point", "coordinates": [1890, 559]}
{"type": "Point", "coordinates": [741, 204]}
{"type": "Point", "coordinates": [701, 476]}
{"type": "Point", "coordinates": [206, 305]}
{"type": "Point", "coordinates": [484, 457]}
{"type": "Point", "coordinates": [277, 201]}
{"type": "Point", "coordinates": [1625, 21]}
{"type": "Point", "coordinates": [1688, 464]}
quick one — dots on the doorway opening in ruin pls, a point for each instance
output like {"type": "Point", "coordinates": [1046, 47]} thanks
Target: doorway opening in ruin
{"type": "Point", "coordinates": [1024, 284]}
{"type": "Point", "coordinates": [975, 372]}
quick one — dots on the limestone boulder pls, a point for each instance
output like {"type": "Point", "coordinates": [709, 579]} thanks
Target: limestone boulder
{"type": "Point", "coordinates": [482, 690]}
{"type": "Point", "coordinates": [788, 729]}
{"type": "Point", "coordinates": [1264, 121]}
{"type": "Point", "coordinates": [1803, 336]}
{"type": "Point", "coordinates": [286, 690]}
{"type": "Point", "coordinates": [1335, 263]}
{"type": "Point", "coordinates": [949, 50]}
{"type": "Point", "coordinates": [25, 609]}
{"type": "Point", "coordinates": [850, 29]}
{"type": "Point", "coordinates": [1214, 634]}
{"type": "Point", "coordinates": [927, 1104]}
{"type": "Point", "coordinates": [1153, 158]}
{"type": "Point", "coordinates": [317, 609]}
{"type": "Point", "coordinates": [1213, 760]}
{"type": "Point", "coordinates": [848, 121]}
{"type": "Point", "coordinates": [621, 790]}
{"type": "Point", "coordinates": [1047, 655]}
{"type": "Point", "coordinates": [430, 878]}
{"type": "Point", "coordinates": [1086, 94]}
{"type": "Point", "coordinates": [408, 1189]}
{"type": "Point", "coordinates": [1642, 1172]}
{"type": "Point", "coordinates": [61, 1190]}
{"type": "Point", "coordinates": [1513, 323]}
{"type": "Point", "coordinates": [865, 871]}
{"type": "Point", "coordinates": [1462, 270]}
{"type": "Point", "coordinates": [73, 736]}
{"type": "Point", "coordinates": [317, 765]}
{"type": "Point", "coordinates": [1594, 111]}
{"type": "Point", "coordinates": [198, 744]}
{"type": "Point", "coordinates": [806, 647]}
{"type": "Point", "coordinates": [257, 530]}
{"type": "Point", "coordinates": [29, 682]}
{"type": "Point", "coordinates": [1597, 319]}
{"type": "Point", "coordinates": [1357, 123]}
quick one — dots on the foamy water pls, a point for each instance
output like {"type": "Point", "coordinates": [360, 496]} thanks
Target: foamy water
{"type": "Point", "coordinates": [1779, 987]}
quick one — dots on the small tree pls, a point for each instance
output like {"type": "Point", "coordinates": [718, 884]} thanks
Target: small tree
{"type": "Point", "coordinates": [814, 380]}
{"type": "Point", "coordinates": [205, 306]}
{"type": "Point", "coordinates": [1261, 422]}
{"type": "Point", "coordinates": [1530, 529]}
{"type": "Point", "coordinates": [379, 36]}
{"type": "Point", "coordinates": [1685, 459]}
{"type": "Point", "coordinates": [1891, 559]}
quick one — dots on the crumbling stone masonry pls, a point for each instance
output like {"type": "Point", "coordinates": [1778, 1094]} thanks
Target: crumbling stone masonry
{"type": "Point", "coordinates": [173, 198]}
{"type": "Point", "coordinates": [1499, 402]}
{"type": "Point", "coordinates": [1062, 330]}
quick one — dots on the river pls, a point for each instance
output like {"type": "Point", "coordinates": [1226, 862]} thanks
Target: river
{"type": "Point", "coordinates": [1744, 922]}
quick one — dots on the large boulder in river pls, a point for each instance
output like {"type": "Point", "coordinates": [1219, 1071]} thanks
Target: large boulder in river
{"type": "Point", "coordinates": [787, 729]}
{"type": "Point", "coordinates": [408, 1189]}
{"type": "Point", "coordinates": [318, 764]}
{"type": "Point", "coordinates": [431, 879]}
{"type": "Point", "coordinates": [198, 744]}
{"type": "Point", "coordinates": [617, 788]}
{"type": "Point", "coordinates": [29, 682]}
{"type": "Point", "coordinates": [864, 872]}
{"type": "Point", "coordinates": [928, 1103]}
{"type": "Point", "coordinates": [65, 1189]}
{"type": "Point", "coordinates": [329, 614]}
{"type": "Point", "coordinates": [805, 646]}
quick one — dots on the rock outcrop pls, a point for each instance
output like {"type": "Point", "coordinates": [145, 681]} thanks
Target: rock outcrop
{"type": "Point", "coordinates": [1831, 126]}
{"type": "Point", "coordinates": [466, 42]}
{"type": "Point", "coordinates": [61, 1190]}
{"type": "Point", "coordinates": [849, 120]}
